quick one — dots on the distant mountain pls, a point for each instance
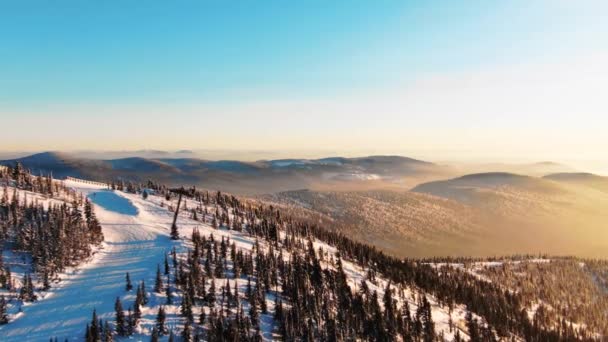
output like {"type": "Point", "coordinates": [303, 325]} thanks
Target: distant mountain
{"type": "Point", "coordinates": [264, 176]}
{"type": "Point", "coordinates": [586, 179]}
{"type": "Point", "coordinates": [144, 153]}
{"type": "Point", "coordinates": [476, 188]}
{"type": "Point", "coordinates": [59, 164]}
{"type": "Point", "coordinates": [538, 169]}
{"type": "Point", "coordinates": [559, 210]}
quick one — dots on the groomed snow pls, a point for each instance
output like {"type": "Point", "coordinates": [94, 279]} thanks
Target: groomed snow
{"type": "Point", "coordinates": [136, 238]}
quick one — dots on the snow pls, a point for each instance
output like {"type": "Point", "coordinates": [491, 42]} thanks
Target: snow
{"type": "Point", "coordinates": [110, 201]}
{"type": "Point", "coordinates": [287, 162]}
{"type": "Point", "coordinates": [351, 176]}
{"type": "Point", "coordinates": [136, 240]}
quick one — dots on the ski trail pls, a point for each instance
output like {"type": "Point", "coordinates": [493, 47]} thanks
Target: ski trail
{"type": "Point", "coordinates": [136, 235]}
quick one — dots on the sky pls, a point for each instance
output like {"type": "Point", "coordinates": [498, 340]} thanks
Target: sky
{"type": "Point", "coordinates": [492, 80]}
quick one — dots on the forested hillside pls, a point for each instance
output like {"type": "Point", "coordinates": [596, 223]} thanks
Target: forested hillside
{"type": "Point", "coordinates": [240, 269]}
{"type": "Point", "coordinates": [45, 228]}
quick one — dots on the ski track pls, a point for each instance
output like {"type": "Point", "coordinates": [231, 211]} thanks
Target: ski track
{"type": "Point", "coordinates": [136, 238]}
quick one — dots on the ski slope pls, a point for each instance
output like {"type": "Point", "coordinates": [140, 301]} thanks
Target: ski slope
{"type": "Point", "coordinates": [136, 238]}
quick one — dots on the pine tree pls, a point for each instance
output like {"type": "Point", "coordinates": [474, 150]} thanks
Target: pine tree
{"type": "Point", "coordinates": [46, 284]}
{"type": "Point", "coordinates": [137, 311]}
{"type": "Point", "coordinates": [169, 294]}
{"type": "Point", "coordinates": [131, 322]}
{"type": "Point", "coordinates": [154, 337]}
{"type": "Point", "coordinates": [87, 334]}
{"type": "Point", "coordinates": [174, 232]}
{"type": "Point", "coordinates": [144, 296]}
{"type": "Point", "coordinates": [3, 311]}
{"type": "Point", "coordinates": [107, 330]}
{"type": "Point", "coordinates": [121, 328]}
{"type": "Point", "coordinates": [160, 321]}
{"type": "Point", "coordinates": [26, 293]}
{"type": "Point", "coordinates": [186, 307]}
{"type": "Point", "coordinates": [158, 285]}
{"type": "Point", "coordinates": [128, 286]}
{"type": "Point", "coordinates": [211, 294]}
{"type": "Point", "coordinates": [187, 332]}
{"type": "Point", "coordinates": [139, 297]}
{"type": "Point", "coordinates": [472, 327]}
{"type": "Point", "coordinates": [389, 311]}
{"type": "Point", "coordinates": [427, 321]}
{"type": "Point", "coordinates": [95, 330]}
{"type": "Point", "coordinates": [166, 265]}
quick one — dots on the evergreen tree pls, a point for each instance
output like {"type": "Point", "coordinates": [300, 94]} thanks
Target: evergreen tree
{"type": "Point", "coordinates": [95, 330]}
{"type": "Point", "coordinates": [144, 296]}
{"type": "Point", "coordinates": [211, 294]}
{"type": "Point", "coordinates": [3, 311]}
{"type": "Point", "coordinates": [128, 286]}
{"type": "Point", "coordinates": [187, 332]}
{"type": "Point", "coordinates": [26, 293]}
{"type": "Point", "coordinates": [174, 232]}
{"type": "Point", "coordinates": [169, 294]}
{"type": "Point", "coordinates": [160, 321]}
{"type": "Point", "coordinates": [428, 326]}
{"type": "Point", "coordinates": [121, 328]}
{"type": "Point", "coordinates": [158, 284]}
{"type": "Point", "coordinates": [472, 327]}
{"type": "Point", "coordinates": [131, 322]}
{"type": "Point", "coordinates": [107, 330]}
{"type": "Point", "coordinates": [87, 334]}
{"type": "Point", "coordinates": [166, 265]}
{"type": "Point", "coordinates": [154, 337]}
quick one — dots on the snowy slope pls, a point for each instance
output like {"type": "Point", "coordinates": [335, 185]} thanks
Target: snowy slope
{"type": "Point", "coordinates": [136, 241]}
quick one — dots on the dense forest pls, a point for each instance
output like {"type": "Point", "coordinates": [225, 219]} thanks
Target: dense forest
{"type": "Point", "coordinates": [298, 281]}
{"type": "Point", "coordinates": [308, 289]}
{"type": "Point", "coordinates": [50, 230]}
{"type": "Point", "coordinates": [562, 289]}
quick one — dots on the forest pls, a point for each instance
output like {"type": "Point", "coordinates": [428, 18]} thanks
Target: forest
{"type": "Point", "coordinates": [298, 281]}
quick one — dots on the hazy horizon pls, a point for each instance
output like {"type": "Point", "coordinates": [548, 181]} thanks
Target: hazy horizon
{"type": "Point", "coordinates": [499, 81]}
{"type": "Point", "coordinates": [454, 158]}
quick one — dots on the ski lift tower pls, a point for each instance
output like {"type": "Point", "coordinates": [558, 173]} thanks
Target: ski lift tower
{"type": "Point", "coordinates": [180, 192]}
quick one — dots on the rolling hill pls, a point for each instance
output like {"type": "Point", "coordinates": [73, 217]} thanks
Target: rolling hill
{"type": "Point", "coordinates": [531, 214]}
{"type": "Point", "coordinates": [264, 176]}
{"type": "Point", "coordinates": [400, 222]}
{"type": "Point", "coordinates": [483, 214]}
{"type": "Point", "coordinates": [585, 179]}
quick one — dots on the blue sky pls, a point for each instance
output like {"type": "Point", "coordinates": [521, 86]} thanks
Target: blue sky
{"type": "Point", "coordinates": [76, 63]}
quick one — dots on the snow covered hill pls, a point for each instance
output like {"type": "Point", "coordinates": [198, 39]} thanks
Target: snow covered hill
{"type": "Point", "coordinates": [136, 241]}
{"type": "Point", "coordinates": [241, 271]}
